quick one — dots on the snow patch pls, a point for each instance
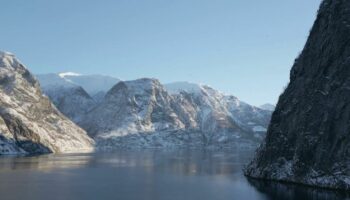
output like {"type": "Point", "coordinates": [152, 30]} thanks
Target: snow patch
{"type": "Point", "coordinates": [178, 87]}
{"type": "Point", "coordinates": [64, 74]}
{"type": "Point", "coordinates": [268, 107]}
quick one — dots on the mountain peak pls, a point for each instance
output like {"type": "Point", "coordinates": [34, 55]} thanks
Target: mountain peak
{"type": "Point", "coordinates": [5, 54]}
{"type": "Point", "coordinates": [8, 60]}
{"type": "Point", "coordinates": [144, 80]}
{"type": "Point", "coordinates": [142, 83]}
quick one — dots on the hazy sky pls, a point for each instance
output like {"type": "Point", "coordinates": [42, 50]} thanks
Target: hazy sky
{"type": "Point", "coordinates": [241, 47]}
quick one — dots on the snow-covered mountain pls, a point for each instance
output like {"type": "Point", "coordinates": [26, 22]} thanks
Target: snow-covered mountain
{"type": "Point", "coordinates": [92, 84]}
{"type": "Point", "coordinates": [95, 85]}
{"type": "Point", "coordinates": [144, 113]}
{"type": "Point", "coordinates": [133, 107]}
{"type": "Point", "coordinates": [75, 94]}
{"type": "Point", "coordinates": [29, 123]}
{"type": "Point", "coordinates": [268, 106]}
{"type": "Point", "coordinates": [71, 99]}
{"type": "Point", "coordinates": [217, 112]}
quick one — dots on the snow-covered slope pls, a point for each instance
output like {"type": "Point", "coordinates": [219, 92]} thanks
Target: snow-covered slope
{"type": "Point", "coordinates": [95, 85]}
{"type": "Point", "coordinates": [75, 94]}
{"type": "Point", "coordinates": [142, 113]}
{"type": "Point", "coordinates": [92, 84]}
{"type": "Point", "coordinates": [268, 106]}
{"type": "Point", "coordinates": [71, 99]}
{"type": "Point", "coordinates": [29, 123]}
{"type": "Point", "coordinates": [50, 81]}
{"type": "Point", "coordinates": [132, 107]}
{"type": "Point", "coordinates": [218, 114]}
{"type": "Point", "coordinates": [73, 102]}
{"type": "Point", "coordinates": [178, 87]}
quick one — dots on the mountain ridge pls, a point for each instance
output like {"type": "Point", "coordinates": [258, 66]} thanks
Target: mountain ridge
{"type": "Point", "coordinates": [145, 107]}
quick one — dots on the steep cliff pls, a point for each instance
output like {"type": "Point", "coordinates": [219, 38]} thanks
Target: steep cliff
{"type": "Point", "coordinates": [29, 123]}
{"type": "Point", "coordinates": [308, 140]}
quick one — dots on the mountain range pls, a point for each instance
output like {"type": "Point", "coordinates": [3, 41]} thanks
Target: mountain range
{"type": "Point", "coordinates": [146, 113]}
{"type": "Point", "coordinates": [70, 112]}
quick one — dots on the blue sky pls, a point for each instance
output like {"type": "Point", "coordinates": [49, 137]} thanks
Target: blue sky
{"type": "Point", "coordinates": [241, 47]}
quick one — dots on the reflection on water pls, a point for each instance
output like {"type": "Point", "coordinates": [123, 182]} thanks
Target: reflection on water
{"type": "Point", "coordinates": [276, 190]}
{"type": "Point", "coordinates": [44, 162]}
{"type": "Point", "coordinates": [179, 162]}
{"type": "Point", "coordinates": [157, 174]}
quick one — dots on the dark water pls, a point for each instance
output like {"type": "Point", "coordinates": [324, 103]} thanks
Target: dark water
{"type": "Point", "coordinates": [142, 175]}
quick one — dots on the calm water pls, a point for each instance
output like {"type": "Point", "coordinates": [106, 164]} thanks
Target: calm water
{"type": "Point", "coordinates": [142, 175]}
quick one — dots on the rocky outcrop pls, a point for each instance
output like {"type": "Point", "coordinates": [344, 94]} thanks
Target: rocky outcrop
{"type": "Point", "coordinates": [29, 122]}
{"type": "Point", "coordinates": [308, 140]}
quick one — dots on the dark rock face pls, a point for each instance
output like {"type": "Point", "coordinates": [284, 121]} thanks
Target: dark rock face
{"type": "Point", "coordinates": [308, 140]}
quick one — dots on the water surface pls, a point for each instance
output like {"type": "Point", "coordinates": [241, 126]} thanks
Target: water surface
{"type": "Point", "coordinates": [143, 175]}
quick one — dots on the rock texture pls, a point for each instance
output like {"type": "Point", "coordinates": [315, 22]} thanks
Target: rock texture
{"type": "Point", "coordinates": [308, 140]}
{"type": "Point", "coordinates": [29, 123]}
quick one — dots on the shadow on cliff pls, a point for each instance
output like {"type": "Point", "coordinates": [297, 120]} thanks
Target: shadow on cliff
{"type": "Point", "coordinates": [30, 147]}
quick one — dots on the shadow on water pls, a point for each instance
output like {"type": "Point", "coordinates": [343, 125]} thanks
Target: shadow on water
{"type": "Point", "coordinates": [276, 190]}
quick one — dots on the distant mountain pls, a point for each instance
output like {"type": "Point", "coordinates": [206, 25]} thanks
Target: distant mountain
{"type": "Point", "coordinates": [71, 99]}
{"type": "Point", "coordinates": [222, 112]}
{"type": "Point", "coordinates": [92, 84]}
{"type": "Point", "coordinates": [145, 113]}
{"type": "Point", "coordinates": [95, 85]}
{"type": "Point", "coordinates": [75, 94]}
{"type": "Point", "coordinates": [131, 111]}
{"type": "Point", "coordinates": [29, 123]}
{"type": "Point", "coordinates": [268, 106]}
